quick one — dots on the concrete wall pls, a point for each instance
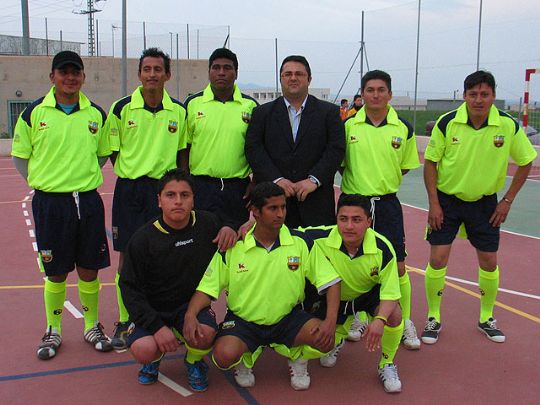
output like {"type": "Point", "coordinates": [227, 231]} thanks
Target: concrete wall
{"type": "Point", "coordinates": [29, 75]}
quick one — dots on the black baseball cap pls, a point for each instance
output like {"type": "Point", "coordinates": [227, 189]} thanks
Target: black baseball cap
{"type": "Point", "coordinates": [64, 58]}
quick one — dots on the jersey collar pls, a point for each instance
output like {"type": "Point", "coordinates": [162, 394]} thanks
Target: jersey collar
{"type": "Point", "coordinates": [494, 118]}
{"type": "Point", "coordinates": [391, 117]}
{"type": "Point", "coordinates": [50, 100]}
{"type": "Point", "coordinates": [137, 100]}
{"type": "Point", "coordinates": [166, 229]}
{"type": "Point", "coordinates": [283, 239]}
{"type": "Point", "coordinates": [369, 244]}
{"type": "Point", "coordinates": [208, 94]}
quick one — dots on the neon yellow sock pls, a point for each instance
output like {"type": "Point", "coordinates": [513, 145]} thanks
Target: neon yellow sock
{"type": "Point", "coordinates": [54, 295]}
{"type": "Point", "coordinates": [390, 343]}
{"type": "Point", "coordinates": [123, 315]}
{"type": "Point", "coordinates": [434, 282]}
{"type": "Point", "coordinates": [89, 296]}
{"type": "Point", "coordinates": [405, 300]}
{"type": "Point", "coordinates": [193, 355]}
{"type": "Point", "coordinates": [488, 282]}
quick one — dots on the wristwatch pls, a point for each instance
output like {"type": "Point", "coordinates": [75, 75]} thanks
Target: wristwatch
{"type": "Point", "coordinates": [314, 180]}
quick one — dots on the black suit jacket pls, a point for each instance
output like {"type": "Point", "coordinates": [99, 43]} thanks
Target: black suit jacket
{"type": "Point", "coordinates": [318, 150]}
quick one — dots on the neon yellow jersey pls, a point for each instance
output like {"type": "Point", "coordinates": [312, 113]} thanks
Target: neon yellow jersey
{"type": "Point", "coordinates": [147, 140]}
{"type": "Point", "coordinates": [374, 263]}
{"type": "Point", "coordinates": [264, 286]}
{"type": "Point", "coordinates": [217, 132]}
{"type": "Point", "coordinates": [472, 163]}
{"type": "Point", "coordinates": [62, 149]}
{"type": "Point", "coordinates": [375, 156]}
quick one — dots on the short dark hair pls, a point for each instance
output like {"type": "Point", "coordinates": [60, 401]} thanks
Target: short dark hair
{"type": "Point", "coordinates": [174, 175]}
{"type": "Point", "coordinates": [356, 97]}
{"type": "Point", "coordinates": [479, 77]}
{"type": "Point", "coordinates": [374, 75]}
{"type": "Point", "coordinates": [156, 53]}
{"type": "Point", "coordinates": [344, 100]}
{"type": "Point", "coordinates": [296, 58]}
{"type": "Point", "coordinates": [225, 54]}
{"type": "Point", "coordinates": [262, 191]}
{"type": "Point", "coordinates": [354, 200]}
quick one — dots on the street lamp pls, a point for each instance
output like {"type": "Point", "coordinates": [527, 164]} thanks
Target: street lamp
{"type": "Point", "coordinates": [113, 27]}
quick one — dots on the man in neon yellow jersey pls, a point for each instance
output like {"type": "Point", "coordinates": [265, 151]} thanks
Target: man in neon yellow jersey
{"type": "Point", "coordinates": [58, 146]}
{"type": "Point", "coordinates": [466, 163]}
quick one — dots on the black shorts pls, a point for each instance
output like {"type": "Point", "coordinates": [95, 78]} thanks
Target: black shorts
{"type": "Point", "coordinates": [254, 335]}
{"type": "Point", "coordinates": [174, 320]}
{"type": "Point", "coordinates": [388, 221]}
{"type": "Point", "coordinates": [474, 215]}
{"type": "Point", "coordinates": [223, 197]}
{"type": "Point", "coordinates": [70, 230]}
{"type": "Point", "coordinates": [367, 302]}
{"type": "Point", "coordinates": [135, 203]}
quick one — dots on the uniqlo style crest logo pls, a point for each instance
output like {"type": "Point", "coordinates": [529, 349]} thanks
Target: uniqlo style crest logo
{"type": "Point", "coordinates": [246, 117]}
{"type": "Point", "coordinates": [93, 126]}
{"type": "Point", "coordinates": [293, 262]}
{"type": "Point", "coordinates": [498, 141]}
{"type": "Point", "coordinates": [173, 126]}
{"type": "Point", "coordinates": [396, 142]}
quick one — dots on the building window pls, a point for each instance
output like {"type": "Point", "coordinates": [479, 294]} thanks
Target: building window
{"type": "Point", "coordinates": [15, 108]}
{"type": "Point", "coordinates": [255, 95]}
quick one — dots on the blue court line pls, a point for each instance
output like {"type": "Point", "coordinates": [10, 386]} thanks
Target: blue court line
{"type": "Point", "coordinates": [243, 392]}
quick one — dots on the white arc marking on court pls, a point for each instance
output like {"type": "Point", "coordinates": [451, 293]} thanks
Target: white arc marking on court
{"type": "Point", "coordinates": [174, 386]}
{"type": "Point", "coordinates": [24, 205]}
{"type": "Point", "coordinates": [31, 233]}
{"type": "Point", "coordinates": [28, 222]}
{"type": "Point", "coordinates": [459, 280]}
{"type": "Point", "coordinates": [74, 311]}
{"type": "Point", "coordinates": [25, 213]}
{"type": "Point", "coordinates": [34, 245]}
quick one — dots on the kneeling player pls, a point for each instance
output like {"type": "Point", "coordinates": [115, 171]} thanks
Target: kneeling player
{"type": "Point", "coordinates": [164, 262]}
{"type": "Point", "coordinates": [264, 276]}
{"type": "Point", "coordinates": [366, 263]}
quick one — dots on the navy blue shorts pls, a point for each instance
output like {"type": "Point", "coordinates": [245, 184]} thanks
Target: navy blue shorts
{"type": "Point", "coordinates": [367, 302]}
{"type": "Point", "coordinates": [474, 215]}
{"type": "Point", "coordinates": [388, 221]}
{"type": "Point", "coordinates": [254, 335]}
{"type": "Point", "coordinates": [222, 197]}
{"type": "Point", "coordinates": [70, 230]}
{"type": "Point", "coordinates": [135, 203]}
{"type": "Point", "coordinates": [174, 320]}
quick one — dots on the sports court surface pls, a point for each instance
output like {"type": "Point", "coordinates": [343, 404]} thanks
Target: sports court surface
{"type": "Point", "coordinates": [463, 367]}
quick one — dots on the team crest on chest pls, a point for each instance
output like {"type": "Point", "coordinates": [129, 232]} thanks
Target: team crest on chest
{"type": "Point", "coordinates": [293, 262]}
{"type": "Point", "coordinates": [498, 141]}
{"type": "Point", "coordinates": [374, 271]}
{"type": "Point", "coordinates": [396, 142]}
{"type": "Point", "coordinates": [246, 117]}
{"type": "Point", "coordinates": [173, 126]}
{"type": "Point", "coordinates": [93, 126]}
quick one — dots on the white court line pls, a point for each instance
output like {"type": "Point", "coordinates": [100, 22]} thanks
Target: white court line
{"type": "Point", "coordinates": [460, 280]}
{"type": "Point", "coordinates": [174, 386]}
{"type": "Point", "coordinates": [502, 230]}
{"type": "Point", "coordinates": [26, 198]}
{"type": "Point", "coordinates": [34, 245]}
{"type": "Point", "coordinates": [31, 233]}
{"type": "Point", "coordinates": [23, 205]}
{"type": "Point", "coordinates": [25, 213]}
{"type": "Point", "coordinates": [74, 311]}
{"type": "Point", "coordinates": [28, 222]}
{"type": "Point", "coordinates": [31, 192]}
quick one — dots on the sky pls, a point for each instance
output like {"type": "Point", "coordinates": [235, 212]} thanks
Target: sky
{"type": "Point", "coordinates": [327, 32]}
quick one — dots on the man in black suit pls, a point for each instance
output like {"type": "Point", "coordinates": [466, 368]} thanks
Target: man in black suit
{"type": "Point", "coordinates": [298, 141]}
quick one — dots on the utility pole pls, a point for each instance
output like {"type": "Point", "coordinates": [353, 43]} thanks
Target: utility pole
{"type": "Point", "coordinates": [90, 11]}
{"type": "Point", "coordinates": [25, 27]}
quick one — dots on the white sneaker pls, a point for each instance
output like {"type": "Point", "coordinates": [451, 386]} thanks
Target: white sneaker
{"type": "Point", "coordinates": [357, 329]}
{"type": "Point", "coordinates": [331, 358]}
{"type": "Point", "coordinates": [390, 378]}
{"type": "Point", "coordinates": [410, 338]}
{"type": "Point", "coordinates": [244, 376]}
{"type": "Point", "coordinates": [300, 379]}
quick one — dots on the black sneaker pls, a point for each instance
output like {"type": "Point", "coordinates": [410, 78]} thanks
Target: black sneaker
{"type": "Point", "coordinates": [97, 338]}
{"type": "Point", "coordinates": [491, 331]}
{"type": "Point", "coordinates": [50, 342]}
{"type": "Point", "coordinates": [430, 335]}
{"type": "Point", "coordinates": [119, 340]}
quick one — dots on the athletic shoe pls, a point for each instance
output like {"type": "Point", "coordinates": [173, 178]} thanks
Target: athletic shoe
{"type": "Point", "coordinates": [491, 331]}
{"type": "Point", "coordinates": [410, 338]}
{"type": "Point", "coordinates": [119, 340]}
{"type": "Point", "coordinates": [299, 375]}
{"type": "Point", "coordinates": [430, 335]}
{"type": "Point", "coordinates": [96, 337]}
{"type": "Point", "coordinates": [330, 359]}
{"type": "Point", "coordinates": [244, 376]}
{"type": "Point", "coordinates": [197, 375]}
{"type": "Point", "coordinates": [357, 329]}
{"type": "Point", "coordinates": [148, 373]}
{"type": "Point", "coordinates": [50, 342]}
{"type": "Point", "coordinates": [390, 378]}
